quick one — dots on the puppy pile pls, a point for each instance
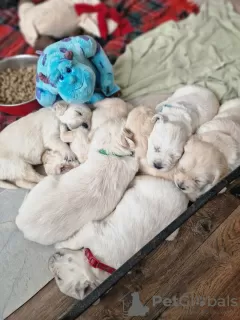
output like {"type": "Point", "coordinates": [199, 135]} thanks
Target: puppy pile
{"type": "Point", "coordinates": [117, 175]}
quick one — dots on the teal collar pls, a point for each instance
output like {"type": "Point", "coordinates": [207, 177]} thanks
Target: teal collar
{"type": "Point", "coordinates": [163, 106]}
{"type": "Point", "coordinates": [106, 153]}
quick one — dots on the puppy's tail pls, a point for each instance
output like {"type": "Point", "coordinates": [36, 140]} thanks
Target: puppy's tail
{"type": "Point", "coordinates": [7, 185]}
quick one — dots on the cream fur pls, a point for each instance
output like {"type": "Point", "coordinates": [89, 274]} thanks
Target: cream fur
{"type": "Point", "coordinates": [88, 192]}
{"type": "Point", "coordinates": [212, 153]}
{"type": "Point", "coordinates": [145, 210]}
{"type": "Point", "coordinates": [139, 123]}
{"type": "Point", "coordinates": [24, 142]}
{"type": "Point", "coordinates": [177, 119]}
{"type": "Point", "coordinates": [105, 110]}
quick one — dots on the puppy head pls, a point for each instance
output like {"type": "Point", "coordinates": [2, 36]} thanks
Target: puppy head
{"type": "Point", "coordinates": [72, 273]}
{"type": "Point", "coordinates": [73, 115]}
{"type": "Point", "coordinates": [200, 167]}
{"type": "Point", "coordinates": [109, 109]}
{"type": "Point", "coordinates": [166, 143]}
{"type": "Point", "coordinates": [112, 137]}
{"type": "Point", "coordinates": [139, 123]}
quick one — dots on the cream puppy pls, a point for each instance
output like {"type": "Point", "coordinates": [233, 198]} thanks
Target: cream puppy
{"type": "Point", "coordinates": [212, 153]}
{"type": "Point", "coordinates": [139, 123]}
{"type": "Point", "coordinates": [147, 207]}
{"type": "Point", "coordinates": [24, 142]}
{"type": "Point", "coordinates": [177, 119]}
{"type": "Point", "coordinates": [105, 110]}
{"type": "Point", "coordinates": [88, 192]}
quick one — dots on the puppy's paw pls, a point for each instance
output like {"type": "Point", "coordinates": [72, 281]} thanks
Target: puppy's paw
{"type": "Point", "coordinates": [69, 156]}
{"type": "Point", "coordinates": [60, 245]}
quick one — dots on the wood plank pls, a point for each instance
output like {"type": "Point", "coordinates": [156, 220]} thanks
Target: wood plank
{"type": "Point", "coordinates": [155, 271]}
{"type": "Point", "coordinates": [212, 272]}
{"type": "Point", "coordinates": [47, 304]}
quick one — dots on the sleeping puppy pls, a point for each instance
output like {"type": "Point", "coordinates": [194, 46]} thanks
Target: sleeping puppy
{"type": "Point", "coordinates": [212, 153]}
{"type": "Point", "coordinates": [24, 142]}
{"type": "Point", "coordinates": [177, 119]}
{"type": "Point", "coordinates": [143, 212]}
{"type": "Point", "coordinates": [88, 192]}
{"type": "Point", "coordinates": [139, 123]}
{"type": "Point", "coordinates": [80, 138]}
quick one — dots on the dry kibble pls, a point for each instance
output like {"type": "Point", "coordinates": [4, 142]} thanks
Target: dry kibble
{"type": "Point", "coordinates": [17, 86]}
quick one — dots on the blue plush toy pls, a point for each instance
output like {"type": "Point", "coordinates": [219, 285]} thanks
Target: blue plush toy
{"type": "Point", "coordinates": [76, 70]}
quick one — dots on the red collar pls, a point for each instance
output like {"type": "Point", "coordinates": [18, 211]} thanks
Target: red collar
{"type": "Point", "coordinates": [95, 263]}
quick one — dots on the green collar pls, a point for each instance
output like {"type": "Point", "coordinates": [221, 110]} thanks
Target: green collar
{"type": "Point", "coordinates": [106, 153]}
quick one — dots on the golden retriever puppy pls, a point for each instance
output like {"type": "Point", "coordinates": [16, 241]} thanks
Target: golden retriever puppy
{"type": "Point", "coordinates": [177, 120]}
{"type": "Point", "coordinates": [200, 168]}
{"type": "Point", "coordinates": [88, 192]}
{"type": "Point", "coordinates": [212, 153]}
{"type": "Point", "coordinates": [140, 124]}
{"type": "Point", "coordinates": [24, 141]}
{"type": "Point", "coordinates": [105, 110]}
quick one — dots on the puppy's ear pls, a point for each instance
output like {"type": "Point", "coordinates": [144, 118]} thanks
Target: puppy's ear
{"type": "Point", "coordinates": [82, 289]}
{"type": "Point", "coordinates": [190, 143]}
{"type": "Point", "coordinates": [127, 139]}
{"type": "Point", "coordinates": [160, 118]}
{"type": "Point", "coordinates": [60, 107]}
{"type": "Point", "coordinates": [221, 171]}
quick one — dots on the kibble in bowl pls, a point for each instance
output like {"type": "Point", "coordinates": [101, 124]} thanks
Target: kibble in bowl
{"type": "Point", "coordinates": [17, 85]}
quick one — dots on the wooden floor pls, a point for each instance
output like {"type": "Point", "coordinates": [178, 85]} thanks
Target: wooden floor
{"type": "Point", "coordinates": [203, 263]}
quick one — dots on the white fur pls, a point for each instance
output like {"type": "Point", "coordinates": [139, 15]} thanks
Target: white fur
{"type": "Point", "coordinates": [139, 123]}
{"type": "Point", "coordinates": [105, 110]}
{"type": "Point", "coordinates": [177, 119]}
{"type": "Point", "coordinates": [148, 206]}
{"type": "Point", "coordinates": [88, 192]}
{"type": "Point", "coordinates": [212, 153]}
{"type": "Point", "coordinates": [109, 109]}
{"type": "Point", "coordinates": [24, 142]}
{"type": "Point", "coordinates": [79, 142]}
{"type": "Point", "coordinates": [54, 164]}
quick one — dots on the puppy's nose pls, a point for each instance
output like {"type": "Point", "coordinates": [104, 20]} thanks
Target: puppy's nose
{"type": "Point", "coordinates": [158, 165]}
{"type": "Point", "coordinates": [85, 125]}
{"type": "Point", "coordinates": [181, 185]}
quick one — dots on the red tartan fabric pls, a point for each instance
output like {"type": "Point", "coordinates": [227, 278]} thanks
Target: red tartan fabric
{"type": "Point", "coordinates": [143, 15]}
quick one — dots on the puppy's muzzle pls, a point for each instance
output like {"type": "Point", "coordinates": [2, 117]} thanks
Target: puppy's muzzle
{"type": "Point", "coordinates": [85, 125]}
{"type": "Point", "coordinates": [158, 165]}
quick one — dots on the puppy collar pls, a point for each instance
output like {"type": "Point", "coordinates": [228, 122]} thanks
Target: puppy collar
{"type": "Point", "coordinates": [106, 153]}
{"type": "Point", "coordinates": [95, 263]}
{"type": "Point", "coordinates": [166, 105]}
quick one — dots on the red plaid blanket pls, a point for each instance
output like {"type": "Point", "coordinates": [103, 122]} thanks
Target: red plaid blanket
{"type": "Point", "coordinates": [143, 15]}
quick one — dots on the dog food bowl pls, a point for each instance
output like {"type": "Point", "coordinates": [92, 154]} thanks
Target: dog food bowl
{"type": "Point", "coordinates": [16, 62]}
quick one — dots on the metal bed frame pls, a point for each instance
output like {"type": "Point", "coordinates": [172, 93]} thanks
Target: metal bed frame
{"type": "Point", "coordinates": [82, 306]}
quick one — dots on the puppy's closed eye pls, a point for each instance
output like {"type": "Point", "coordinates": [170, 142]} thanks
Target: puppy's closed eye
{"type": "Point", "coordinates": [197, 181]}
{"type": "Point", "coordinates": [156, 149]}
